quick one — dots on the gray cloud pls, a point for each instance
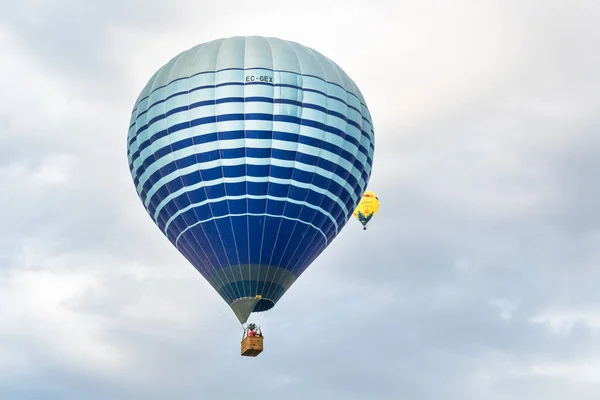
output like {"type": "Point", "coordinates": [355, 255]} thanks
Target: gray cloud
{"type": "Point", "coordinates": [477, 280]}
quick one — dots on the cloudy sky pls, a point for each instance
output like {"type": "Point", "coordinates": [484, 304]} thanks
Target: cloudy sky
{"type": "Point", "coordinates": [477, 280]}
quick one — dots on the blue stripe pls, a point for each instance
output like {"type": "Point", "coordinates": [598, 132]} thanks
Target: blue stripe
{"type": "Point", "coordinates": [244, 100]}
{"type": "Point", "coordinates": [178, 189]}
{"type": "Point", "coordinates": [313, 201]}
{"type": "Point", "coordinates": [289, 238]}
{"type": "Point", "coordinates": [235, 184]}
{"type": "Point", "coordinates": [338, 193]}
{"type": "Point", "coordinates": [355, 165]}
{"type": "Point", "coordinates": [229, 141]}
{"type": "Point", "coordinates": [366, 134]}
{"type": "Point", "coordinates": [193, 192]}
{"type": "Point", "coordinates": [244, 206]}
{"type": "Point", "coordinates": [254, 134]}
{"type": "Point", "coordinates": [240, 207]}
{"type": "Point", "coordinates": [183, 204]}
{"type": "Point", "coordinates": [248, 116]}
{"type": "Point", "coordinates": [220, 217]}
{"type": "Point", "coordinates": [255, 161]}
{"type": "Point", "coordinates": [212, 102]}
{"type": "Point", "coordinates": [215, 173]}
{"type": "Point", "coordinates": [257, 117]}
{"type": "Point", "coordinates": [248, 69]}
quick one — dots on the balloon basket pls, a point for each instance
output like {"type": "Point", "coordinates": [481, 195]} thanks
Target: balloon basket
{"type": "Point", "coordinates": [252, 346]}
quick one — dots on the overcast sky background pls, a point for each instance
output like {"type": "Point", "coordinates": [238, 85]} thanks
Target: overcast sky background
{"type": "Point", "coordinates": [478, 280]}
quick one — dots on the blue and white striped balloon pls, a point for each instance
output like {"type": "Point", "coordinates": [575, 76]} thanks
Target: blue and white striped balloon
{"type": "Point", "coordinates": [250, 154]}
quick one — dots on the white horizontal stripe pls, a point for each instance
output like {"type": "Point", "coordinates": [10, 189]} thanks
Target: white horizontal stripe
{"type": "Point", "coordinates": [209, 78]}
{"type": "Point", "coordinates": [201, 95]}
{"type": "Point", "coordinates": [229, 91]}
{"type": "Point", "coordinates": [253, 215]}
{"type": "Point", "coordinates": [254, 161]}
{"type": "Point", "coordinates": [285, 92]}
{"type": "Point", "coordinates": [251, 125]}
{"type": "Point", "coordinates": [236, 108]}
{"type": "Point", "coordinates": [191, 132]}
{"type": "Point", "coordinates": [227, 75]}
{"type": "Point", "coordinates": [247, 196]}
{"type": "Point", "coordinates": [239, 179]}
{"type": "Point", "coordinates": [262, 107]}
{"type": "Point", "coordinates": [229, 162]}
{"type": "Point", "coordinates": [258, 91]}
{"type": "Point", "coordinates": [182, 85]}
{"type": "Point", "coordinates": [319, 134]}
{"type": "Point", "coordinates": [276, 144]}
{"type": "Point", "coordinates": [211, 146]}
{"type": "Point", "coordinates": [155, 97]}
{"type": "Point", "coordinates": [142, 105]}
{"type": "Point", "coordinates": [259, 107]}
{"type": "Point", "coordinates": [184, 100]}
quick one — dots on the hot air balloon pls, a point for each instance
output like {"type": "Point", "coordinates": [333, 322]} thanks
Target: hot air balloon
{"type": "Point", "coordinates": [367, 208]}
{"type": "Point", "coordinates": [250, 155]}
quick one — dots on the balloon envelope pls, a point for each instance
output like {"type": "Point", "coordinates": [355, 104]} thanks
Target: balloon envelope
{"type": "Point", "coordinates": [367, 208]}
{"type": "Point", "coordinates": [250, 155]}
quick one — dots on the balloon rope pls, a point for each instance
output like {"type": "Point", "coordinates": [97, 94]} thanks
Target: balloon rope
{"type": "Point", "coordinates": [241, 326]}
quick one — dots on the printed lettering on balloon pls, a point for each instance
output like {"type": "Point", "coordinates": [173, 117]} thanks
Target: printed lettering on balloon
{"type": "Point", "coordinates": [259, 78]}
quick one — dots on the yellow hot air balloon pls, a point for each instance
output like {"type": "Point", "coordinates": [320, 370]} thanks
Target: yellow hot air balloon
{"type": "Point", "coordinates": [367, 208]}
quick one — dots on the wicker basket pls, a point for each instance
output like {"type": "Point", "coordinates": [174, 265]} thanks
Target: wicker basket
{"type": "Point", "coordinates": [252, 346]}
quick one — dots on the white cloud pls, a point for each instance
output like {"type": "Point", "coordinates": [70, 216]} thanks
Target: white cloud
{"type": "Point", "coordinates": [562, 321]}
{"type": "Point", "coordinates": [577, 372]}
{"type": "Point", "coordinates": [470, 283]}
{"type": "Point", "coordinates": [32, 308]}
{"type": "Point", "coordinates": [505, 307]}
